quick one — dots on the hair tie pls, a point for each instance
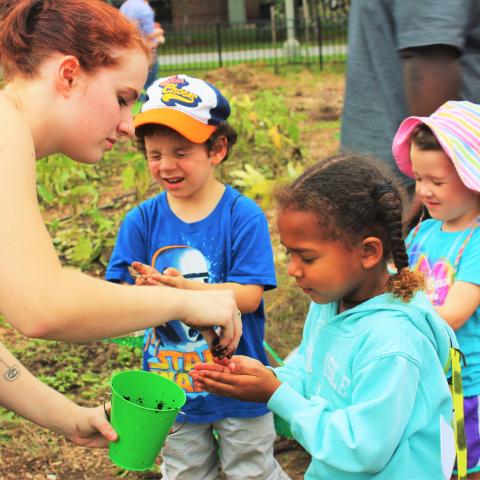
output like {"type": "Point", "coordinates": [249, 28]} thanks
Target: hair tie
{"type": "Point", "coordinates": [381, 189]}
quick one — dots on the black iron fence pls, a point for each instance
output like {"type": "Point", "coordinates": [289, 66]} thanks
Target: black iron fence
{"type": "Point", "coordinates": [311, 42]}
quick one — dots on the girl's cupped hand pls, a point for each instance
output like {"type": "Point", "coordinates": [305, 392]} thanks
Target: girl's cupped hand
{"type": "Point", "coordinates": [241, 377]}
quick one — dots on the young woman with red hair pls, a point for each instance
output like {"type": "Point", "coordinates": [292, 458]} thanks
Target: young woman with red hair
{"type": "Point", "coordinates": [72, 71]}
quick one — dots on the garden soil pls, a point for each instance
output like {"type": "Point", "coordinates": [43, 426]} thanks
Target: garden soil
{"type": "Point", "coordinates": [29, 452]}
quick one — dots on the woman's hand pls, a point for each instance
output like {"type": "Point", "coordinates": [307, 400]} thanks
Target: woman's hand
{"type": "Point", "coordinates": [215, 308]}
{"type": "Point", "coordinates": [142, 273]}
{"type": "Point", "coordinates": [91, 428]}
{"type": "Point", "coordinates": [242, 377]}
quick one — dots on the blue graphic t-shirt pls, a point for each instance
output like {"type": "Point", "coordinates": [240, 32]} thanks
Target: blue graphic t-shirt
{"type": "Point", "coordinates": [232, 244]}
{"type": "Point", "coordinates": [434, 251]}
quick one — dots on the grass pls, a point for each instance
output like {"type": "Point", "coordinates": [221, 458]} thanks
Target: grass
{"type": "Point", "coordinates": [327, 62]}
{"type": "Point", "coordinates": [291, 71]}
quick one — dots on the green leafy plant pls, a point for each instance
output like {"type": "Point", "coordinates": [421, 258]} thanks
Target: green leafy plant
{"type": "Point", "coordinates": [269, 149]}
{"type": "Point", "coordinates": [258, 185]}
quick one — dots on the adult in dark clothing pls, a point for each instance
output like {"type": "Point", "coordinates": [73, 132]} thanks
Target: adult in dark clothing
{"type": "Point", "coordinates": [406, 57]}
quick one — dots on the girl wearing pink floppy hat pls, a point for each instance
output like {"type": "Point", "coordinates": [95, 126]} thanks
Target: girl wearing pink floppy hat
{"type": "Point", "coordinates": [442, 153]}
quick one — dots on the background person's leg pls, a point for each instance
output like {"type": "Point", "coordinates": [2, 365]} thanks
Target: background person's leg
{"type": "Point", "coordinates": [151, 77]}
{"type": "Point", "coordinates": [152, 74]}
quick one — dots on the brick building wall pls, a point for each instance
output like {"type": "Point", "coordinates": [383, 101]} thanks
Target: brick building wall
{"type": "Point", "coordinates": [200, 11]}
{"type": "Point", "coordinates": [253, 9]}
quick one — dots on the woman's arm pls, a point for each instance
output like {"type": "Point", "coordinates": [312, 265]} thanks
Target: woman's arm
{"type": "Point", "coordinates": [22, 393]}
{"type": "Point", "coordinates": [42, 299]}
{"type": "Point", "coordinates": [248, 297]}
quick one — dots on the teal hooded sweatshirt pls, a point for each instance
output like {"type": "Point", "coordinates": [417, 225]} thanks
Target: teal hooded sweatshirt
{"type": "Point", "coordinates": [366, 394]}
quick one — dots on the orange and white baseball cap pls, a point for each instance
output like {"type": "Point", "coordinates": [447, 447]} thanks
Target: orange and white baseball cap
{"type": "Point", "coordinates": [190, 106]}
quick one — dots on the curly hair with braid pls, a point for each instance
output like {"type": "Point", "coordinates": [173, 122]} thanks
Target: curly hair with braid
{"type": "Point", "coordinates": [357, 197]}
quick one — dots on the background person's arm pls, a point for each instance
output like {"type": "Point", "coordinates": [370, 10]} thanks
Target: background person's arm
{"type": "Point", "coordinates": [432, 75]}
{"type": "Point", "coordinates": [157, 37]}
{"type": "Point", "coordinates": [25, 395]}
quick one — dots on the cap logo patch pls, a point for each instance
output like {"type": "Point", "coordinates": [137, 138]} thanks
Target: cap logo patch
{"type": "Point", "coordinates": [173, 93]}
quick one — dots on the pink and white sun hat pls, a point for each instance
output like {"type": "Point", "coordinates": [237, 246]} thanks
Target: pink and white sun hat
{"type": "Point", "coordinates": [456, 126]}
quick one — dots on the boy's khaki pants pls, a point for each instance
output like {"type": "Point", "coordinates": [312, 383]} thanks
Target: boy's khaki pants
{"type": "Point", "coordinates": [245, 451]}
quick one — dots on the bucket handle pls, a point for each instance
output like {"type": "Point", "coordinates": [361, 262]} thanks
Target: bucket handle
{"type": "Point", "coordinates": [107, 397]}
{"type": "Point", "coordinates": [183, 423]}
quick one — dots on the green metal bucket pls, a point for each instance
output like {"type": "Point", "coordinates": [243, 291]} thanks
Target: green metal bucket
{"type": "Point", "coordinates": [144, 407]}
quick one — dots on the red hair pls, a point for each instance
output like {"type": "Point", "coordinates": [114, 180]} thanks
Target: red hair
{"type": "Point", "coordinates": [91, 30]}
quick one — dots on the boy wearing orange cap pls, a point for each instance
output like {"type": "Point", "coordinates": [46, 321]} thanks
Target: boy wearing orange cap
{"type": "Point", "coordinates": [200, 234]}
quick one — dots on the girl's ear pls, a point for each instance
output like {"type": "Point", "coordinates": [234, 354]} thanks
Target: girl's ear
{"type": "Point", "coordinates": [219, 150]}
{"type": "Point", "coordinates": [372, 252]}
{"type": "Point", "coordinates": [67, 74]}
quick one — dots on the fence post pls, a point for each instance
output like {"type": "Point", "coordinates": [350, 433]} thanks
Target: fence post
{"type": "Point", "coordinates": [307, 25]}
{"type": "Point", "coordinates": [319, 41]}
{"type": "Point", "coordinates": [273, 22]}
{"type": "Point", "coordinates": [219, 43]}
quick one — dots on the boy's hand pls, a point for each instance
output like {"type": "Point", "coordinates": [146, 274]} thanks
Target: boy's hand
{"type": "Point", "coordinates": [171, 277]}
{"type": "Point", "coordinates": [141, 272]}
{"type": "Point", "coordinates": [91, 428]}
{"type": "Point", "coordinates": [242, 377]}
{"type": "Point", "coordinates": [147, 275]}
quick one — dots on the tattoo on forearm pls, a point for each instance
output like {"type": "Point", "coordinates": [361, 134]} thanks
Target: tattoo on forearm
{"type": "Point", "coordinates": [12, 372]}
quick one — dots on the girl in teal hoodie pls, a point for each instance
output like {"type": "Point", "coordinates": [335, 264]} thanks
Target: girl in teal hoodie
{"type": "Point", "coordinates": [366, 394]}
